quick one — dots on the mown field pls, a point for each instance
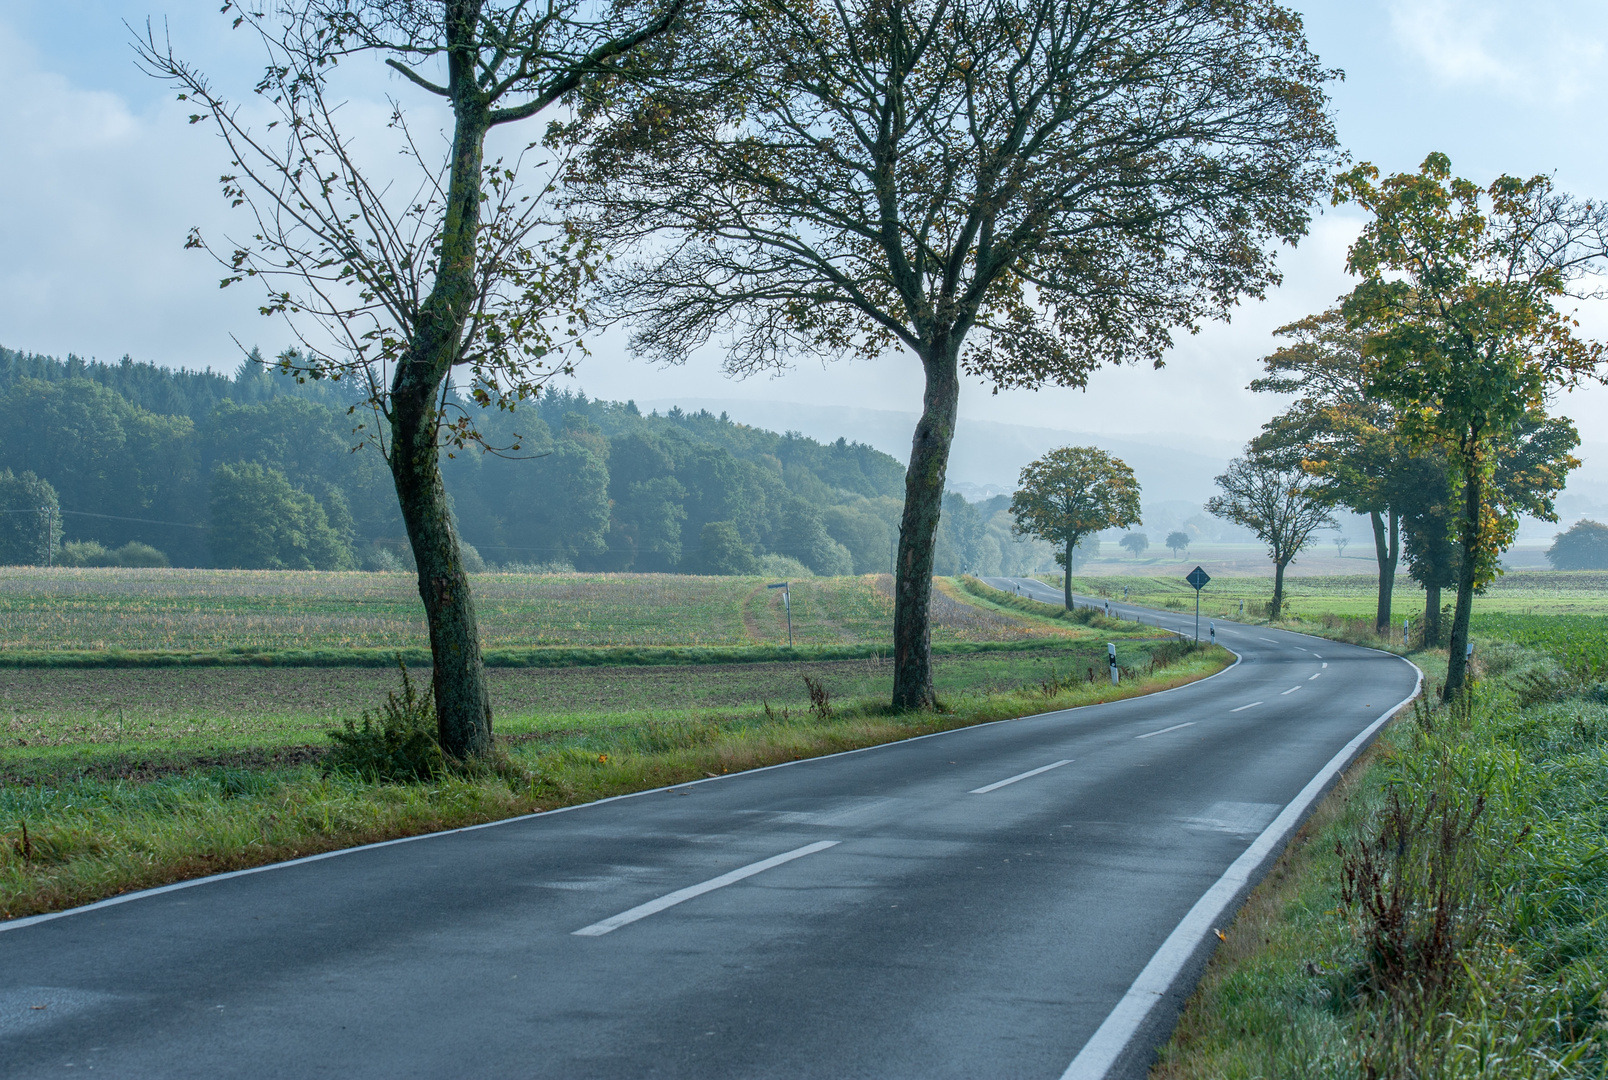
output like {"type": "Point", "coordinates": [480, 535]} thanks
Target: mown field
{"type": "Point", "coordinates": [211, 610]}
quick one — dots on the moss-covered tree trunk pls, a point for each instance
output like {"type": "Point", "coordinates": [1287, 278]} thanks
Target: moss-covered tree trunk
{"type": "Point", "coordinates": [1276, 607]}
{"type": "Point", "coordinates": [463, 704]}
{"type": "Point", "coordinates": [1387, 552]}
{"type": "Point", "coordinates": [1066, 581]}
{"type": "Point", "coordinates": [918, 530]}
{"type": "Point", "coordinates": [1468, 528]}
{"type": "Point", "coordinates": [1430, 635]}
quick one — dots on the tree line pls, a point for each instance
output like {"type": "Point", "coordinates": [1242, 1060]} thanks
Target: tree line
{"type": "Point", "coordinates": [134, 464]}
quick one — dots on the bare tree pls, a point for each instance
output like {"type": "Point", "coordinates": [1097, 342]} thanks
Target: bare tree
{"type": "Point", "coordinates": [1281, 504]}
{"type": "Point", "coordinates": [407, 284]}
{"type": "Point", "coordinates": [1020, 190]}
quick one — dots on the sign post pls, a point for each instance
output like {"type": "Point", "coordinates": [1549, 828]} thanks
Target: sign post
{"type": "Point", "coordinates": [788, 604]}
{"type": "Point", "coordinates": [1198, 578]}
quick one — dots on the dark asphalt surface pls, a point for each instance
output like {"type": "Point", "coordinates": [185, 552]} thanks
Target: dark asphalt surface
{"type": "Point", "coordinates": [944, 933]}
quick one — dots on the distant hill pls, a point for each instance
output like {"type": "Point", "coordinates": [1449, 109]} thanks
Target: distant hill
{"type": "Point", "coordinates": [137, 453]}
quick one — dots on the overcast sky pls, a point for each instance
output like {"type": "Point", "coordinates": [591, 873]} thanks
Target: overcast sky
{"type": "Point", "coordinates": [101, 178]}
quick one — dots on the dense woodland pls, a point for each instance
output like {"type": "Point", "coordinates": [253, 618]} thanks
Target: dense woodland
{"type": "Point", "coordinates": [258, 470]}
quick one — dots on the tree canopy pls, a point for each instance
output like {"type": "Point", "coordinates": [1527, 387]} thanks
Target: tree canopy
{"type": "Point", "coordinates": [1071, 493]}
{"type": "Point", "coordinates": [1583, 547]}
{"type": "Point", "coordinates": [1020, 189]}
{"type": "Point", "coordinates": [398, 282]}
{"type": "Point", "coordinates": [1280, 503]}
{"type": "Point", "coordinates": [1460, 291]}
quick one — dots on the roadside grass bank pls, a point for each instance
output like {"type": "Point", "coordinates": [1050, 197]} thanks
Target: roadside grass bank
{"type": "Point", "coordinates": [72, 832]}
{"type": "Point", "coordinates": [1444, 913]}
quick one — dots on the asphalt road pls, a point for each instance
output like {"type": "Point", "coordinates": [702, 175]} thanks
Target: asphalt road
{"type": "Point", "coordinates": [971, 904]}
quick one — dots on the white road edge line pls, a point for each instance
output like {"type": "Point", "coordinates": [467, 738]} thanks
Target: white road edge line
{"type": "Point", "coordinates": [1242, 708]}
{"type": "Point", "coordinates": [1108, 1042]}
{"type": "Point", "coordinates": [642, 911]}
{"type": "Point", "coordinates": [1019, 776]}
{"type": "Point", "coordinates": [1163, 731]}
{"type": "Point", "coordinates": [1292, 689]}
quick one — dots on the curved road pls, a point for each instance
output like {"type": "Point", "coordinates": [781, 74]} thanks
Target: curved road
{"type": "Point", "coordinates": [1029, 898]}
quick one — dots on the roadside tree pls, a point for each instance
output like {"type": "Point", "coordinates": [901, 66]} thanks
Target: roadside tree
{"type": "Point", "coordinates": [1460, 286]}
{"type": "Point", "coordinates": [401, 283]}
{"type": "Point", "coordinates": [1016, 190]}
{"type": "Point", "coordinates": [1178, 541]}
{"type": "Point", "coordinates": [1073, 493]}
{"type": "Point", "coordinates": [1335, 429]}
{"type": "Point", "coordinates": [1283, 506]}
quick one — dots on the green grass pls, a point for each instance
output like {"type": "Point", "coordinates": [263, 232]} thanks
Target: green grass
{"type": "Point", "coordinates": [1298, 990]}
{"type": "Point", "coordinates": [200, 789]}
{"type": "Point", "coordinates": [1542, 592]}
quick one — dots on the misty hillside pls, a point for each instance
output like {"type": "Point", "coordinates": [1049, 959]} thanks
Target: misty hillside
{"type": "Point", "coordinates": [215, 470]}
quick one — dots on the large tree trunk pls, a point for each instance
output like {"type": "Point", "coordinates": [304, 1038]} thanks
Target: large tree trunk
{"type": "Point", "coordinates": [918, 528]}
{"type": "Point", "coordinates": [1387, 552]}
{"type": "Point", "coordinates": [1066, 582]}
{"type": "Point", "coordinates": [1469, 535]}
{"type": "Point", "coordinates": [1277, 606]}
{"type": "Point", "coordinates": [463, 704]}
{"type": "Point", "coordinates": [1431, 633]}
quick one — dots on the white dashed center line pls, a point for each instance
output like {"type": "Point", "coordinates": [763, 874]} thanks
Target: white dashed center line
{"type": "Point", "coordinates": [1163, 731]}
{"type": "Point", "coordinates": [1291, 690]}
{"type": "Point", "coordinates": [1019, 776]}
{"type": "Point", "coordinates": [1242, 708]}
{"type": "Point", "coordinates": [642, 911]}
{"type": "Point", "coordinates": [1314, 675]}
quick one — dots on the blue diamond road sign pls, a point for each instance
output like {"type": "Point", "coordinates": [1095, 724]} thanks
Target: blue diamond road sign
{"type": "Point", "coordinates": [1198, 578]}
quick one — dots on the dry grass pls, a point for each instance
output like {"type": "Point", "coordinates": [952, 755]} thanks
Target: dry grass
{"type": "Point", "coordinates": [205, 610]}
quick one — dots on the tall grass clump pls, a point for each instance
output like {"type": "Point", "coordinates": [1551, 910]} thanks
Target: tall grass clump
{"type": "Point", "coordinates": [396, 743]}
{"type": "Point", "coordinates": [1444, 916]}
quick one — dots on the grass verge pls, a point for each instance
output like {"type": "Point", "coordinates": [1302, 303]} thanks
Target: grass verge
{"type": "Point", "coordinates": [1444, 914]}
{"type": "Point", "coordinates": [68, 839]}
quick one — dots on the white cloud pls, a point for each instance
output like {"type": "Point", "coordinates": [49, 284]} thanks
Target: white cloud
{"type": "Point", "coordinates": [1548, 51]}
{"type": "Point", "coordinates": [98, 199]}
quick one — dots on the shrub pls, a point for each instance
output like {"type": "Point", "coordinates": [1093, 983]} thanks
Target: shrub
{"type": "Point", "coordinates": [93, 553]}
{"type": "Point", "coordinates": [783, 566]}
{"type": "Point", "coordinates": [84, 553]}
{"type": "Point", "coordinates": [135, 553]}
{"type": "Point", "coordinates": [398, 742]}
{"type": "Point", "coordinates": [473, 563]}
